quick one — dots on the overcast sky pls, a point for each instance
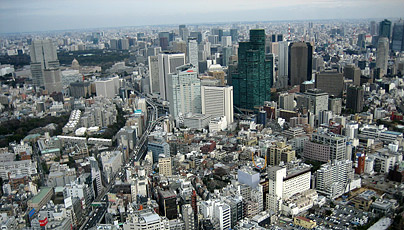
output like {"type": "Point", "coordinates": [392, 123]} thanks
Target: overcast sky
{"type": "Point", "coordinates": [43, 15]}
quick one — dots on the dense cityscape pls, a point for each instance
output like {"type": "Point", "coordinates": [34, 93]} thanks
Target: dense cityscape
{"type": "Point", "coordinates": [243, 125]}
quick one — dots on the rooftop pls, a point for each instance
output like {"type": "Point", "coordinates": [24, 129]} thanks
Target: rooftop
{"type": "Point", "coordinates": [38, 197]}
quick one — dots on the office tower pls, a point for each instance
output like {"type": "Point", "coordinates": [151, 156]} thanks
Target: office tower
{"type": "Point", "coordinates": [335, 105]}
{"type": "Point", "coordinates": [333, 178]}
{"type": "Point", "coordinates": [353, 73]}
{"type": "Point", "coordinates": [188, 217]}
{"type": "Point", "coordinates": [184, 91]}
{"type": "Point", "coordinates": [373, 28]}
{"type": "Point", "coordinates": [154, 74]}
{"type": "Point", "coordinates": [274, 196]}
{"type": "Point", "coordinates": [226, 41]}
{"type": "Point", "coordinates": [197, 35]}
{"type": "Point", "coordinates": [164, 39]}
{"type": "Point", "coordinates": [183, 32]}
{"type": "Point", "coordinates": [168, 204]}
{"type": "Point", "coordinates": [355, 98]}
{"type": "Point", "coordinates": [252, 84]}
{"type": "Point", "coordinates": [213, 39]}
{"type": "Point", "coordinates": [192, 52]}
{"type": "Point", "coordinates": [234, 35]}
{"type": "Point", "coordinates": [165, 166]}
{"type": "Point", "coordinates": [52, 80]}
{"type": "Point", "coordinates": [123, 44]}
{"type": "Point", "coordinates": [221, 213]}
{"type": "Point", "coordinates": [236, 208]}
{"type": "Point", "coordinates": [114, 44]}
{"type": "Point", "coordinates": [280, 152]}
{"type": "Point", "coordinates": [218, 101]}
{"type": "Point", "coordinates": [385, 29]}
{"type": "Point", "coordinates": [43, 56]}
{"type": "Point", "coordinates": [397, 40]}
{"type": "Point", "coordinates": [283, 58]}
{"type": "Point", "coordinates": [179, 47]}
{"type": "Point", "coordinates": [106, 87]}
{"type": "Point", "coordinates": [317, 101]}
{"type": "Point", "coordinates": [95, 176]}
{"type": "Point", "coordinates": [325, 146]}
{"type": "Point", "coordinates": [168, 62]}
{"type": "Point", "coordinates": [361, 41]}
{"type": "Point", "coordinates": [218, 32]}
{"type": "Point", "coordinates": [286, 101]}
{"type": "Point", "coordinates": [331, 82]}
{"type": "Point", "coordinates": [382, 55]}
{"type": "Point", "coordinates": [227, 52]}
{"type": "Point", "coordinates": [300, 62]}
{"type": "Point", "coordinates": [80, 89]}
{"type": "Point", "coordinates": [157, 147]}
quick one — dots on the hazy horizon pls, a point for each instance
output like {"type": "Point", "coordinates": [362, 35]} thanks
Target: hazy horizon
{"type": "Point", "coordinates": [47, 15]}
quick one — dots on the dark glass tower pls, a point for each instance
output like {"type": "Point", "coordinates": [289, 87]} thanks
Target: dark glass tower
{"type": "Point", "coordinates": [397, 41]}
{"type": "Point", "coordinates": [252, 84]}
{"type": "Point", "coordinates": [385, 28]}
{"type": "Point", "coordinates": [300, 62]}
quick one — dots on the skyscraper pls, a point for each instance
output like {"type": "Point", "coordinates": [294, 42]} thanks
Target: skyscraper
{"type": "Point", "coordinates": [168, 62]}
{"type": "Point", "coordinates": [184, 91]}
{"type": "Point", "coordinates": [252, 84]}
{"type": "Point", "coordinates": [373, 28]}
{"type": "Point", "coordinates": [353, 73]}
{"type": "Point", "coordinates": [300, 62]}
{"type": "Point", "coordinates": [154, 74]}
{"type": "Point", "coordinates": [382, 55]}
{"type": "Point", "coordinates": [331, 82]}
{"type": "Point", "coordinates": [385, 29]}
{"type": "Point", "coordinates": [355, 98]}
{"type": "Point", "coordinates": [52, 79]}
{"type": "Point", "coordinates": [283, 58]}
{"type": "Point", "coordinates": [218, 101]}
{"type": "Point", "coordinates": [43, 56]}
{"type": "Point", "coordinates": [164, 39]}
{"type": "Point", "coordinates": [234, 35]}
{"type": "Point", "coordinates": [183, 32]}
{"type": "Point", "coordinates": [397, 40]}
{"type": "Point", "coordinates": [192, 52]}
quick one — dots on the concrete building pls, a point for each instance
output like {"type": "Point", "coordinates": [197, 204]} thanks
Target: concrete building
{"type": "Point", "coordinates": [331, 82]}
{"type": "Point", "coordinates": [314, 100]}
{"type": "Point", "coordinates": [222, 214]}
{"type": "Point", "coordinates": [382, 55]}
{"type": "Point", "coordinates": [355, 98]}
{"type": "Point", "coordinates": [184, 91]}
{"type": "Point", "coordinates": [192, 52]}
{"type": "Point", "coordinates": [165, 166]}
{"type": "Point", "coordinates": [40, 199]}
{"type": "Point", "coordinates": [248, 176]}
{"type": "Point", "coordinates": [280, 152]}
{"type": "Point", "coordinates": [286, 101]}
{"type": "Point", "coordinates": [111, 163]}
{"type": "Point", "coordinates": [354, 73]}
{"type": "Point", "coordinates": [145, 219]}
{"type": "Point", "coordinates": [154, 74]}
{"type": "Point", "coordinates": [52, 80]}
{"type": "Point", "coordinates": [188, 217]}
{"type": "Point", "coordinates": [300, 62]}
{"type": "Point", "coordinates": [325, 146]}
{"type": "Point", "coordinates": [168, 62]}
{"type": "Point", "coordinates": [43, 56]}
{"type": "Point", "coordinates": [218, 101]}
{"type": "Point", "coordinates": [334, 178]}
{"type": "Point", "coordinates": [107, 87]}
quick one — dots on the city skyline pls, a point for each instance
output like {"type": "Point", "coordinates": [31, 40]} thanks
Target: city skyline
{"type": "Point", "coordinates": [30, 16]}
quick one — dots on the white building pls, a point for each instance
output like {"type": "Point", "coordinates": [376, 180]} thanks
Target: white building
{"type": "Point", "coordinates": [217, 124]}
{"type": "Point", "coordinates": [107, 87]}
{"type": "Point", "coordinates": [111, 163]}
{"type": "Point", "coordinates": [222, 214]}
{"type": "Point", "coordinates": [146, 219]}
{"type": "Point", "coordinates": [167, 64]}
{"type": "Point", "coordinates": [184, 91]}
{"type": "Point", "coordinates": [218, 101]}
{"type": "Point", "coordinates": [192, 53]}
{"type": "Point", "coordinates": [24, 167]}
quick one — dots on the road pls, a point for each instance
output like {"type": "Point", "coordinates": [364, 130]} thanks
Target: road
{"type": "Point", "coordinates": [138, 154]}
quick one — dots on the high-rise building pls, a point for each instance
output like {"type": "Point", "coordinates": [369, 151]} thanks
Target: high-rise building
{"type": "Point", "coordinates": [183, 32]}
{"type": "Point", "coordinates": [280, 152]}
{"type": "Point", "coordinates": [333, 178]}
{"type": "Point", "coordinates": [218, 101]}
{"type": "Point", "coordinates": [353, 73]}
{"type": "Point", "coordinates": [95, 176]}
{"type": "Point", "coordinates": [382, 55]}
{"type": "Point", "coordinates": [192, 52]}
{"type": "Point", "coordinates": [325, 146]}
{"type": "Point", "coordinates": [164, 39]}
{"type": "Point", "coordinates": [397, 40]}
{"type": "Point", "coordinates": [197, 35]}
{"type": "Point", "coordinates": [188, 217]}
{"type": "Point", "coordinates": [168, 62]}
{"type": "Point", "coordinates": [355, 98]}
{"type": "Point", "coordinates": [373, 28]}
{"type": "Point", "coordinates": [300, 62]}
{"type": "Point", "coordinates": [165, 166]}
{"type": "Point", "coordinates": [184, 91]}
{"type": "Point", "coordinates": [331, 82]}
{"type": "Point", "coordinates": [218, 32]}
{"type": "Point", "coordinates": [286, 101]}
{"type": "Point", "coordinates": [226, 41]}
{"type": "Point", "coordinates": [283, 58]}
{"type": "Point", "coordinates": [385, 29]}
{"type": "Point", "coordinates": [52, 79]}
{"type": "Point", "coordinates": [221, 213]}
{"type": "Point", "coordinates": [154, 74]}
{"type": "Point", "coordinates": [252, 84]}
{"type": "Point", "coordinates": [43, 56]}
{"type": "Point", "coordinates": [317, 101]}
{"type": "Point", "coordinates": [234, 35]}
{"type": "Point", "coordinates": [168, 204]}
